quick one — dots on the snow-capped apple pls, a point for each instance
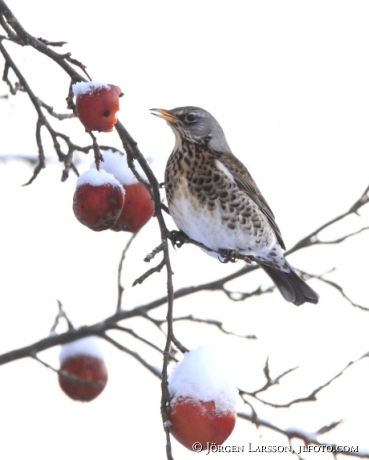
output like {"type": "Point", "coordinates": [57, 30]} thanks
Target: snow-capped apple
{"type": "Point", "coordinates": [98, 199]}
{"type": "Point", "coordinates": [138, 206]}
{"type": "Point", "coordinates": [203, 400]}
{"type": "Point", "coordinates": [200, 421]}
{"type": "Point", "coordinates": [83, 373]}
{"type": "Point", "coordinates": [97, 104]}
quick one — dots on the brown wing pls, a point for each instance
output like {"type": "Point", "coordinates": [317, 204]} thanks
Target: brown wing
{"type": "Point", "coordinates": [246, 182]}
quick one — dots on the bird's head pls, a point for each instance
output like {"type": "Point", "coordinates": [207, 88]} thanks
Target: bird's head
{"type": "Point", "coordinates": [193, 124]}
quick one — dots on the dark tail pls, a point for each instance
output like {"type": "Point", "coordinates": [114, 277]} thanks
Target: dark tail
{"type": "Point", "coordinates": [291, 286]}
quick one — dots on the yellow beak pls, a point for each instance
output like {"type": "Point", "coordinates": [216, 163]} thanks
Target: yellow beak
{"type": "Point", "coordinates": [165, 114]}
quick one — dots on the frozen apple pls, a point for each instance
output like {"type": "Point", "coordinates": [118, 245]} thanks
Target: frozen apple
{"type": "Point", "coordinates": [83, 373]}
{"type": "Point", "coordinates": [203, 400]}
{"type": "Point", "coordinates": [138, 206]}
{"type": "Point", "coordinates": [137, 210]}
{"type": "Point", "coordinates": [200, 421]}
{"type": "Point", "coordinates": [97, 104]}
{"type": "Point", "coordinates": [98, 200]}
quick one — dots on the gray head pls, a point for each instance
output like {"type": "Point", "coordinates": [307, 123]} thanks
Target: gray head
{"type": "Point", "coordinates": [195, 125]}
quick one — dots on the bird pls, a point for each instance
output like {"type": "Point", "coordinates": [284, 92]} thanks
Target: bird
{"type": "Point", "coordinates": [214, 200]}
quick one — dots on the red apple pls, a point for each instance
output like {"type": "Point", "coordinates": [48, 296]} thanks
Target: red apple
{"type": "Point", "coordinates": [97, 105]}
{"type": "Point", "coordinates": [200, 422]}
{"type": "Point", "coordinates": [137, 210]}
{"type": "Point", "coordinates": [98, 200]}
{"type": "Point", "coordinates": [92, 373]}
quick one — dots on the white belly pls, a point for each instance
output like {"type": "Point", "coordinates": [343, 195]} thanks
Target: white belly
{"type": "Point", "coordinates": [206, 226]}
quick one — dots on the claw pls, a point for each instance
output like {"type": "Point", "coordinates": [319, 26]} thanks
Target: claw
{"type": "Point", "coordinates": [177, 238]}
{"type": "Point", "coordinates": [232, 255]}
{"type": "Point", "coordinates": [228, 255]}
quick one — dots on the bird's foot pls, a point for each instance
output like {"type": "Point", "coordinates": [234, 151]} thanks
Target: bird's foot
{"type": "Point", "coordinates": [177, 238]}
{"type": "Point", "coordinates": [231, 255]}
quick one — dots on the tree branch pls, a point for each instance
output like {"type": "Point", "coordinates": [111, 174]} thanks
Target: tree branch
{"type": "Point", "coordinates": [309, 398]}
{"type": "Point", "coordinates": [19, 35]}
{"type": "Point", "coordinates": [299, 434]}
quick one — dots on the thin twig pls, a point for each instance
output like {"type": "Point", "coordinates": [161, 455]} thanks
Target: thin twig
{"type": "Point", "coordinates": [120, 267]}
{"type": "Point", "coordinates": [132, 353]}
{"type": "Point", "coordinates": [96, 149]}
{"type": "Point", "coordinates": [61, 315]}
{"type": "Point", "coordinates": [138, 337]}
{"type": "Point", "coordinates": [213, 322]}
{"type": "Point", "coordinates": [310, 397]}
{"type": "Point", "coordinates": [342, 292]}
{"type": "Point", "coordinates": [148, 273]}
{"type": "Point", "coordinates": [154, 252]}
{"type": "Point", "coordinates": [59, 116]}
{"type": "Point", "coordinates": [48, 43]}
{"type": "Point", "coordinates": [312, 238]}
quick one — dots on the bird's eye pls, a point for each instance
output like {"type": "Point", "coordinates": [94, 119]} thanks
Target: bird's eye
{"type": "Point", "coordinates": [191, 118]}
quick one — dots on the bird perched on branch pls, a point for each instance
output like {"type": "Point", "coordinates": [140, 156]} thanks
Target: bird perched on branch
{"type": "Point", "coordinates": [213, 199]}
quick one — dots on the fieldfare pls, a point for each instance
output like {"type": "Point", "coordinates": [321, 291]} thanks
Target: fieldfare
{"type": "Point", "coordinates": [213, 199]}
